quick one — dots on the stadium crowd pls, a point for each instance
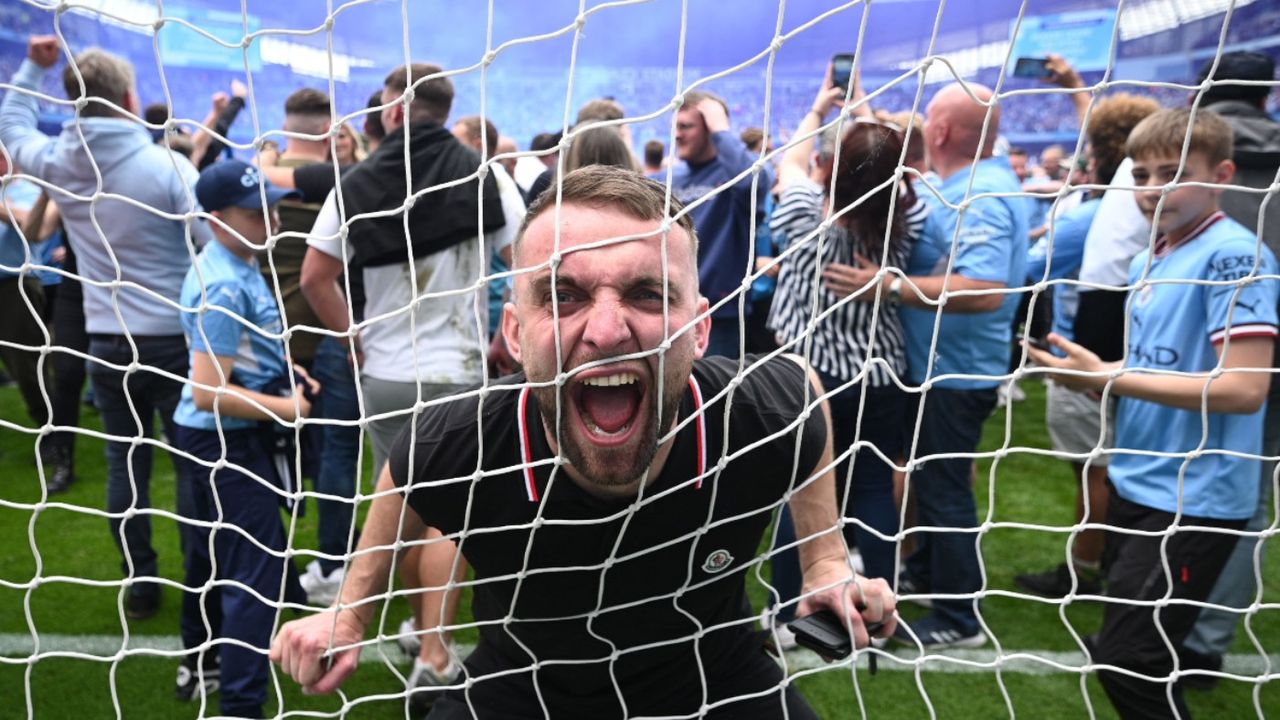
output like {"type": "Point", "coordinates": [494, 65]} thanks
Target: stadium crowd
{"type": "Point", "coordinates": [547, 408]}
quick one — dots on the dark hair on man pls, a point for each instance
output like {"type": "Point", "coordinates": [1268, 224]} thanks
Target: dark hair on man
{"type": "Point", "coordinates": [432, 99]}
{"type": "Point", "coordinates": [600, 109]}
{"type": "Point", "coordinates": [1240, 65]}
{"type": "Point", "coordinates": [607, 186]}
{"type": "Point", "coordinates": [752, 137]}
{"type": "Point", "coordinates": [691, 100]}
{"type": "Point", "coordinates": [869, 153]}
{"type": "Point", "coordinates": [1110, 123]}
{"type": "Point", "coordinates": [307, 110]}
{"type": "Point", "coordinates": [545, 141]}
{"type": "Point", "coordinates": [1020, 152]}
{"type": "Point", "coordinates": [1162, 133]}
{"type": "Point", "coordinates": [106, 77]}
{"type": "Point", "coordinates": [156, 114]}
{"type": "Point", "coordinates": [654, 152]}
{"type": "Point", "coordinates": [471, 124]}
{"type": "Point", "coordinates": [307, 101]}
{"type": "Point", "coordinates": [373, 128]}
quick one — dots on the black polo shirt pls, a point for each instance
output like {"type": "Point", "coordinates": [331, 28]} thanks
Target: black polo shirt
{"type": "Point", "coordinates": [578, 592]}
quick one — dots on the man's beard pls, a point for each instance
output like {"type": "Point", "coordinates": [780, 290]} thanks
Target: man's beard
{"type": "Point", "coordinates": [612, 466]}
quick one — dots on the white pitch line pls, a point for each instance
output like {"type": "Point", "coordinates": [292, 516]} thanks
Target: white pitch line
{"type": "Point", "coordinates": [18, 648]}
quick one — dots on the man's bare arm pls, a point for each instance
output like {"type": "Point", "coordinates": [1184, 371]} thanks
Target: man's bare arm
{"type": "Point", "coordinates": [319, 651]}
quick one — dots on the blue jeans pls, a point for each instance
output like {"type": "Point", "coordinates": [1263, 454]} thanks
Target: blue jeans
{"type": "Point", "coordinates": [119, 396]}
{"type": "Point", "coordinates": [341, 450]}
{"type": "Point", "coordinates": [868, 493]}
{"type": "Point", "coordinates": [250, 511]}
{"type": "Point", "coordinates": [947, 562]}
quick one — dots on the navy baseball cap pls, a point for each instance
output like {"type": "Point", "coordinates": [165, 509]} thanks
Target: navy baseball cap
{"type": "Point", "coordinates": [235, 182]}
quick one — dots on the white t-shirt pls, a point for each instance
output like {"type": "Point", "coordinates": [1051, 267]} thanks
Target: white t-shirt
{"type": "Point", "coordinates": [1119, 232]}
{"type": "Point", "coordinates": [437, 335]}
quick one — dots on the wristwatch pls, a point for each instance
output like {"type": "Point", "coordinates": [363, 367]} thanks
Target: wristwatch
{"type": "Point", "coordinates": [895, 289]}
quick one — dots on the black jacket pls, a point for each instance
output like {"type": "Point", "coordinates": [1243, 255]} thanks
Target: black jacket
{"type": "Point", "coordinates": [439, 218]}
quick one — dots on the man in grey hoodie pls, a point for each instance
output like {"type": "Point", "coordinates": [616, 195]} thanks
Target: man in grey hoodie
{"type": "Point", "coordinates": [126, 204]}
{"type": "Point", "coordinates": [1256, 153]}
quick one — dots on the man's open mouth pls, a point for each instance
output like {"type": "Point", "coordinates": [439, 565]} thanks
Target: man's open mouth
{"type": "Point", "coordinates": [609, 404]}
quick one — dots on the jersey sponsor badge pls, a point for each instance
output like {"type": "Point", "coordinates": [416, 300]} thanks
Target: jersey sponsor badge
{"type": "Point", "coordinates": [717, 561]}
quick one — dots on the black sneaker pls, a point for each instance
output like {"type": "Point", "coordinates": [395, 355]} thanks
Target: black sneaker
{"type": "Point", "coordinates": [62, 473]}
{"type": "Point", "coordinates": [1056, 583]}
{"type": "Point", "coordinates": [142, 601]}
{"type": "Point", "coordinates": [206, 682]}
{"type": "Point", "coordinates": [1192, 660]}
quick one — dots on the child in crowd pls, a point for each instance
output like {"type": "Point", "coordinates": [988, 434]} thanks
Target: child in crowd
{"type": "Point", "coordinates": [239, 378]}
{"type": "Point", "coordinates": [1202, 312]}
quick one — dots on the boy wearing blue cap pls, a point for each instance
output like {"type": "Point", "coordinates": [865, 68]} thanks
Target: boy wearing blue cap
{"type": "Point", "coordinates": [232, 325]}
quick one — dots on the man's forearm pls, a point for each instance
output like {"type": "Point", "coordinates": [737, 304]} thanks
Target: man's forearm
{"type": "Point", "coordinates": [813, 507]}
{"type": "Point", "coordinates": [371, 566]}
{"type": "Point", "coordinates": [19, 116]}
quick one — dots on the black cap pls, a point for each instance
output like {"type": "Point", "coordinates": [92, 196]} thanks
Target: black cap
{"type": "Point", "coordinates": [235, 182]}
{"type": "Point", "coordinates": [1240, 65]}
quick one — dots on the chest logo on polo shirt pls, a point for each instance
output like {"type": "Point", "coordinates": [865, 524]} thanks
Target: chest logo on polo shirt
{"type": "Point", "coordinates": [1144, 296]}
{"type": "Point", "coordinates": [717, 561]}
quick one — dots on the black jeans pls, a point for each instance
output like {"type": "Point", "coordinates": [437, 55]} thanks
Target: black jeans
{"type": "Point", "coordinates": [128, 403]}
{"type": "Point", "coordinates": [1130, 635]}
{"type": "Point", "coordinates": [19, 326]}
{"type": "Point", "coordinates": [68, 369]}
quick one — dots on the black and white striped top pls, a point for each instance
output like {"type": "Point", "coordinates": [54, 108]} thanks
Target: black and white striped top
{"type": "Point", "coordinates": [842, 341]}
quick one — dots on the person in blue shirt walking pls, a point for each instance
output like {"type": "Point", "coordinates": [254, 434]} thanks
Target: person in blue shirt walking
{"type": "Point", "coordinates": [1074, 419]}
{"type": "Point", "coordinates": [1201, 307]}
{"type": "Point", "coordinates": [711, 156]}
{"type": "Point", "coordinates": [232, 324]}
{"type": "Point", "coordinates": [974, 243]}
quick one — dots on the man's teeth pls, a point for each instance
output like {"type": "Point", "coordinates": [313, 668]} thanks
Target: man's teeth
{"type": "Point", "coordinates": [625, 378]}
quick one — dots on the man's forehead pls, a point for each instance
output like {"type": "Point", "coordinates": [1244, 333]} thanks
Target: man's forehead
{"type": "Point", "coordinates": [596, 228]}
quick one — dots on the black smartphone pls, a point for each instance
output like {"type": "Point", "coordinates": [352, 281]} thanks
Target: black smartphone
{"type": "Point", "coordinates": [823, 633]}
{"type": "Point", "coordinates": [841, 69]}
{"type": "Point", "coordinates": [1028, 67]}
{"type": "Point", "coordinates": [1035, 342]}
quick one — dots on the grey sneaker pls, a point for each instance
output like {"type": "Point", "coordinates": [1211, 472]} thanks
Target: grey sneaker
{"type": "Point", "coordinates": [426, 684]}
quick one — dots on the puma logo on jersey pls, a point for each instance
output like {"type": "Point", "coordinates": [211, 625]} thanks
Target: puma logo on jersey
{"type": "Point", "coordinates": [717, 561]}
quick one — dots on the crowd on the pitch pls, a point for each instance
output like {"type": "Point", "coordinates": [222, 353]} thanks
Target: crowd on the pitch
{"type": "Point", "coordinates": [919, 264]}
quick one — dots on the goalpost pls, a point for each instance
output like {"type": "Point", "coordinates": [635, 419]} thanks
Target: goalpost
{"type": "Point", "coordinates": [323, 54]}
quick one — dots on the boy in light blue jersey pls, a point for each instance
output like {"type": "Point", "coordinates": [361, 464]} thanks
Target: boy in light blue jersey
{"type": "Point", "coordinates": [238, 368]}
{"type": "Point", "coordinates": [1202, 298]}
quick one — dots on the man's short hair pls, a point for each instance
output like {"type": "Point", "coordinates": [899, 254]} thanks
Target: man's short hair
{"type": "Point", "coordinates": [606, 186]}
{"type": "Point", "coordinates": [156, 114]}
{"type": "Point", "coordinates": [1161, 134]}
{"type": "Point", "coordinates": [1239, 65]}
{"type": "Point", "coordinates": [545, 141]}
{"type": "Point", "coordinates": [752, 137]}
{"type": "Point", "coordinates": [432, 99]}
{"type": "Point", "coordinates": [600, 109]}
{"type": "Point", "coordinates": [307, 111]}
{"type": "Point", "coordinates": [1020, 152]}
{"type": "Point", "coordinates": [827, 141]}
{"type": "Point", "coordinates": [106, 77]}
{"type": "Point", "coordinates": [471, 124]}
{"type": "Point", "coordinates": [373, 128]}
{"type": "Point", "coordinates": [691, 100]}
{"type": "Point", "coordinates": [1110, 124]}
{"type": "Point", "coordinates": [654, 152]}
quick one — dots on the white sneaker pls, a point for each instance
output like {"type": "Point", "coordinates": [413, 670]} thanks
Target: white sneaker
{"type": "Point", "coordinates": [782, 636]}
{"type": "Point", "coordinates": [426, 684]}
{"type": "Point", "coordinates": [321, 589]}
{"type": "Point", "coordinates": [408, 640]}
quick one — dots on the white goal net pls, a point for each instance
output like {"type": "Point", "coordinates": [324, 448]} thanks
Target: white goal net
{"type": "Point", "coordinates": [966, 476]}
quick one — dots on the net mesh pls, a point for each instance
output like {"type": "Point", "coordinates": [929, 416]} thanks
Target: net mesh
{"type": "Point", "coordinates": [38, 636]}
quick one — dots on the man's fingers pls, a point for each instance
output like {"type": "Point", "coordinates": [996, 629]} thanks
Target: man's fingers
{"type": "Point", "coordinates": [344, 663]}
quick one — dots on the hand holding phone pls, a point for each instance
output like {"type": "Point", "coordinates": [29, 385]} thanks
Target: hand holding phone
{"type": "Point", "coordinates": [823, 633]}
{"type": "Point", "coordinates": [841, 70]}
{"type": "Point", "coordinates": [1029, 67]}
{"type": "Point", "coordinates": [1035, 342]}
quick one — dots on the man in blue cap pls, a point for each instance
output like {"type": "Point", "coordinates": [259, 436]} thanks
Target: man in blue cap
{"type": "Point", "coordinates": [239, 379]}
